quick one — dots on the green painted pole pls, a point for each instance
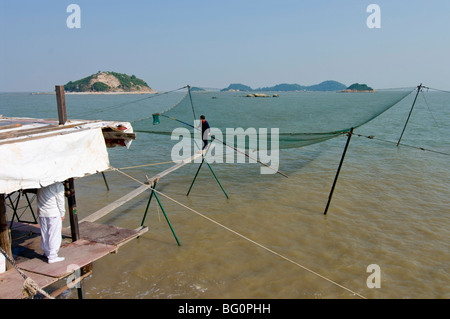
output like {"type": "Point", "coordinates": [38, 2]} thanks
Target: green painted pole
{"type": "Point", "coordinates": [217, 179]}
{"type": "Point", "coordinates": [167, 219]}
{"type": "Point", "coordinates": [148, 204]}
{"type": "Point", "coordinates": [195, 177]}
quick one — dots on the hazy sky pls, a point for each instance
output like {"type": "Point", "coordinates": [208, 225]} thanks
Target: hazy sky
{"type": "Point", "coordinates": [170, 43]}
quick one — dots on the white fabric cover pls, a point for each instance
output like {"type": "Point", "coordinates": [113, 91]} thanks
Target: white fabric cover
{"type": "Point", "coordinates": [35, 163]}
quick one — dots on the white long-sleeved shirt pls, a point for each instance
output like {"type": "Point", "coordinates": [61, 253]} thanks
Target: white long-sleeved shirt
{"type": "Point", "coordinates": [50, 201]}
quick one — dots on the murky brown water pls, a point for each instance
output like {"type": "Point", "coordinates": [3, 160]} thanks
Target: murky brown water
{"type": "Point", "coordinates": [390, 208]}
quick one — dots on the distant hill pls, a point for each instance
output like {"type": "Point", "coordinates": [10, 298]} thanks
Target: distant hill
{"type": "Point", "coordinates": [283, 87]}
{"type": "Point", "coordinates": [356, 87]}
{"type": "Point", "coordinates": [237, 87]}
{"type": "Point", "coordinates": [109, 82]}
{"type": "Point", "coordinates": [324, 86]}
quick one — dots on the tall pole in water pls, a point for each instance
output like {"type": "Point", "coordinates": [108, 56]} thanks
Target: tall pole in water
{"type": "Point", "coordinates": [415, 99]}
{"type": "Point", "coordinates": [69, 183]}
{"type": "Point", "coordinates": [350, 133]}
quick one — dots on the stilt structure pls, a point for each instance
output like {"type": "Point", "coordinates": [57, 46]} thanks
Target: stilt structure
{"type": "Point", "coordinates": [212, 171]}
{"type": "Point", "coordinates": [82, 152]}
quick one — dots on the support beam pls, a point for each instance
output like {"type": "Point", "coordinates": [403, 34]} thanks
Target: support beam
{"type": "Point", "coordinates": [419, 88]}
{"type": "Point", "coordinates": [339, 170]}
{"type": "Point", "coordinates": [195, 177]}
{"type": "Point", "coordinates": [153, 193]}
{"type": "Point", "coordinates": [212, 171]}
{"type": "Point", "coordinates": [217, 179]}
{"type": "Point", "coordinates": [70, 194]}
{"type": "Point", "coordinates": [167, 219]}
{"type": "Point", "coordinates": [148, 203]}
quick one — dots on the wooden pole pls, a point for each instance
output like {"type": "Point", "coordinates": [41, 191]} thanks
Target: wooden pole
{"type": "Point", "coordinates": [338, 171]}
{"type": "Point", "coordinates": [69, 184]}
{"type": "Point", "coordinates": [5, 243]}
{"type": "Point", "coordinates": [70, 194]}
{"type": "Point", "coordinates": [61, 103]}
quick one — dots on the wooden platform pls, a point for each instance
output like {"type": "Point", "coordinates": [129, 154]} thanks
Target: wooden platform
{"type": "Point", "coordinates": [11, 283]}
{"type": "Point", "coordinates": [97, 241]}
{"type": "Point", "coordinates": [79, 253]}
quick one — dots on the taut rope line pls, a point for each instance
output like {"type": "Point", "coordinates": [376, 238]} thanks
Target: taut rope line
{"type": "Point", "coordinates": [242, 236]}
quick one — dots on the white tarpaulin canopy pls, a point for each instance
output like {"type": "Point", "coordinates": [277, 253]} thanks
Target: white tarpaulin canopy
{"type": "Point", "coordinates": [37, 153]}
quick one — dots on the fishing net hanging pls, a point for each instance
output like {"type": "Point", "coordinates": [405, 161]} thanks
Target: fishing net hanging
{"type": "Point", "coordinates": [302, 118]}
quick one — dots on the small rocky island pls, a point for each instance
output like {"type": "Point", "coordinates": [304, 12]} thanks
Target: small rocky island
{"type": "Point", "coordinates": [357, 88]}
{"type": "Point", "coordinates": [108, 82]}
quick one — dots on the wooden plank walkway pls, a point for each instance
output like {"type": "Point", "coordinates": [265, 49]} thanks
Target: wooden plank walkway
{"type": "Point", "coordinates": [79, 254]}
{"type": "Point", "coordinates": [12, 282]}
{"type": "Point", "coordinates": [126, 198]}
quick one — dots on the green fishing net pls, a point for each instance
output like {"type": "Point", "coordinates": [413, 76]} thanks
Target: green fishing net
{"type": "Point", "coordinates": [294, 119]}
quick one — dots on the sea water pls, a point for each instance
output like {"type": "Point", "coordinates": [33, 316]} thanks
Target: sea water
{"type": "Point", "coordinates": [270, 239]}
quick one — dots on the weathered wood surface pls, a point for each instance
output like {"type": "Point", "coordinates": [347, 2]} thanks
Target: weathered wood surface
{"type": "Point", "coordinates": [11, 283]}
{"type": "Point", "coordinates": [77, 254]}
{"type": "Point", "coordinates": [107, 234]}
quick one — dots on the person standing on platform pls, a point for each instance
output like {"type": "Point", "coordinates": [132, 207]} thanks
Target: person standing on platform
{"type": "Point", "coordinates": [51, 212]}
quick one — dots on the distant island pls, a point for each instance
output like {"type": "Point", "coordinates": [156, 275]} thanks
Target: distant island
{"type": "Point", "coordinates": [356, 87]}
{"type": "Point", "coordinates": [108, 82]}
{"type": "Point", "coordinates": [324, 86]}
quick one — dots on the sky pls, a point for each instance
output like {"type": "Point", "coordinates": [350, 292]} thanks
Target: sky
{"type": "Point", "coordinates": [211, 43]}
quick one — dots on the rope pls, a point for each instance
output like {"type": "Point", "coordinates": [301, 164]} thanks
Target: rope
{"type": "Point", "coordinates": [151, 164]}
{"type": "Point", "coordinates": [237, 150]}
{"type": "Point", "coordinates": [429, 110]}
{"type": "Point", "coordinates": [160, 163]}
{"type": "Point", "coordinates": [30, 287]}
{"type": "Point", "coordinates": [242, 236]}
{"type": "Point", "coordinates": [192, 104]}
{"type": "Point", "coordinates": [131, 102]}
{"type": "Point", "coordinates": [439, 90]}
{"type": "Point", "coordinates": [372, 137]}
